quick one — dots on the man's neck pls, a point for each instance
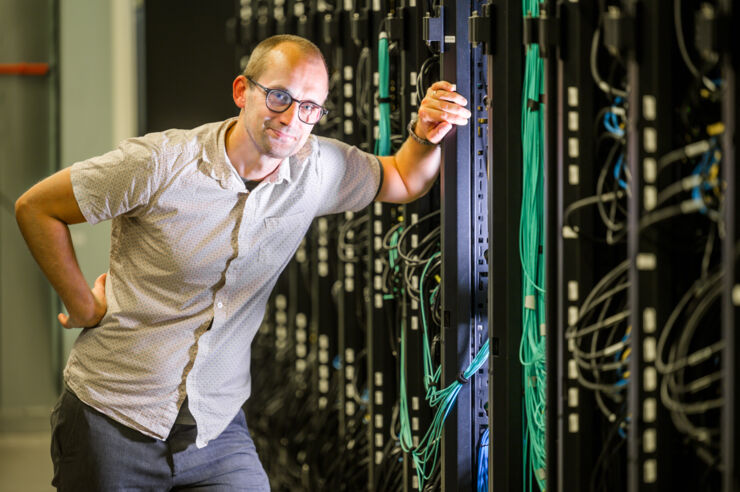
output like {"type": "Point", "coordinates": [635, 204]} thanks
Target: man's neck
{"type": "Point", "coordinates": [247, 162]}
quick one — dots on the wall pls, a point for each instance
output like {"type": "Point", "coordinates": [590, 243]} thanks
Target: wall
{"type": "Point", "coordinates": [97, 108]}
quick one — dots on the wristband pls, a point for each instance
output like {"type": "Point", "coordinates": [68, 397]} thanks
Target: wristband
{"type": "Point", "coordinates": [417, 138]}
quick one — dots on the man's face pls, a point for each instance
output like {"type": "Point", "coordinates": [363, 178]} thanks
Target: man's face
{"type": "Point", "coordinates": [280, 135]}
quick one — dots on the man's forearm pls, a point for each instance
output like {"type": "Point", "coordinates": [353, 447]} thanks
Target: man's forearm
{"type": "Point", "coordinates": [50, 243]}
{"type": "Point", "coordinates": [418, 166]}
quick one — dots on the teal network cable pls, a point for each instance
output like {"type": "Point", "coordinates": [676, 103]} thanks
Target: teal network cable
{"type": "Point", "coordinates": [531, 253]}
{"type": "Point", "coordinates": [383, 142]}
{"type": "Point", "coordinates": [426, 453]}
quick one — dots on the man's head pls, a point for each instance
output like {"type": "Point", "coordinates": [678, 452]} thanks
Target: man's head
{"type": "Point", "coordinates": [294, 66]}
{"type": "Point", "coordinates": [260, 59]}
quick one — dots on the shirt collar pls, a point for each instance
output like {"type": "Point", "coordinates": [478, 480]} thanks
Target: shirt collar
{"type": "Point", "coordinates": [216, 162]}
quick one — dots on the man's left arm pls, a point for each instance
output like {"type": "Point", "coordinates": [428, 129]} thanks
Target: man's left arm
{"type": "Point", "coordinates": [411, 172]}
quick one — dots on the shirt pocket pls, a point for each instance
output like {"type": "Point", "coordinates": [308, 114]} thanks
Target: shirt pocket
{"type": "Point", "coordinates": [282, 236]}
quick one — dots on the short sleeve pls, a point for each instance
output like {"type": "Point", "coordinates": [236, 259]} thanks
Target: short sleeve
{"type": "Point", "coordinates": [350, 178]}
{"type": "Point", "coordinates": [119, 182]}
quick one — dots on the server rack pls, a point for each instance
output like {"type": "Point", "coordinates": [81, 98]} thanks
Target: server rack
{"type": "Point", "coordinates": [464, 242]}
{"type": "Point", "coordinates": [407, 30]}
{"type": "Point", "coordinates": [498, 27]}
{"type": "Point", "coordinates": [728, 38]}
{"type": "Point", "coordinates": [577, 427]}
{"type": "Point", "coordinates": [647, 73]}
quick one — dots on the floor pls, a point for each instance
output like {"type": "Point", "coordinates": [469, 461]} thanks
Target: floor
{"type": "Point", "coordinates": [25, 465]}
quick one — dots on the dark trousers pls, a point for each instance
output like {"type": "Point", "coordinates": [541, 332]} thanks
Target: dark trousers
{"type": "Point", "coordinates": [92, 452]}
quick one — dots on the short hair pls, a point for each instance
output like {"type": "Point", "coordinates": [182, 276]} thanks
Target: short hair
{"type": "Point", "coordinates": [258, 60]}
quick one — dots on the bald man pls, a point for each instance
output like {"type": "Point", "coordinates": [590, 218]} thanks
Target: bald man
{"type": "Point", "coordinates": [203, 222]}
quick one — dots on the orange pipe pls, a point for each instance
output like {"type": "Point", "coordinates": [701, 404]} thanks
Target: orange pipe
{"type": "Point", "coordinates": [24, 68]}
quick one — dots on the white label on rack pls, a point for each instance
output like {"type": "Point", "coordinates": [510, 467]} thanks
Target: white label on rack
{"type": "Point", "coordinates": [649, 410]}
{"type": "Point", "coordinates": [650, 197]}
{"type": "Point", "coordinates": [449, 39]}
{"type": "Point", "coordinates": [649, 107]}
{"type": "Point", "coordinates": [573, 121]}
{"type": "Point", "coordinates": [649, 169]}
{"type": "Point", "coordinates": [572, 369]}
{"type": "Point", "coordinates": [572, 315]}
{"type": "Point", "coordinates": [648, 349]}
{"type": "Point", "coordinates": [573, 423]}
{"type": "Point", "coordinates": [650, 139]}
{"type": "Point", "coordinates": [378, 378]}
{"type": "Point", "coordinates": [378, 397]}
{"type": "Point", "coordinates": [573, 148]}
{"type": "Point", "coordinates": [572, 290]}
{"type": "Point", "coordinates": [573, 175]}
{"type": "Point", "coordinates": [649, 440]}
{"type": "Point", "coordinates": [646, 261]}
{"type": "Point", "coordinates": [573, 397]}
{"type": "Point", "coordinates": [573, 96]}
{"type": "Point", "coordinates": [736, 295]}
{"type": "Point", "coordinates": [650, 379]}
{"type": "Point", "coordinates": [649, 318]}
{"type": "Point", "coordinates": [651, 471]}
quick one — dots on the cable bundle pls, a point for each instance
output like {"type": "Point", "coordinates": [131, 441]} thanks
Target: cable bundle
{"type": "Point", "coordinates": [425, 454]}
{"type": "Point", "coordinates": [531, 253]}
{"type": "Point", "coordinates": [599, 341]}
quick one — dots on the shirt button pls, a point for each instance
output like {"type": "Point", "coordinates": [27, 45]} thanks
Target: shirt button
{"type": "Point", "coordinates": [220, 305]}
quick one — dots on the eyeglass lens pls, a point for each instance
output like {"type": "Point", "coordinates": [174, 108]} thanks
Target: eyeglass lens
{"type": "Point", "coordinates": [279, 101]}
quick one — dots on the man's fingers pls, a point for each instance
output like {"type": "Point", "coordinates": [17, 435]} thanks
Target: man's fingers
{"type": "Point", "coordinates": [443, 90]}
{"type": "Point", "coordinates": [100, 281]}
{"type": "Point", "coordinates": [63, 319]}
{"type": "Point", "coordinates": [454, 116]}
{"type": "Point", "coordinates": [438, 132]}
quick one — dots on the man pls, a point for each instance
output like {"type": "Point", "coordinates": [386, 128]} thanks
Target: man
{"type": "Point", "coordinates": [204, 221]}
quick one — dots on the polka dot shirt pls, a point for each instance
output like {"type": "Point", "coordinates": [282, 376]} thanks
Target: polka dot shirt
{"type": "Point", "coordinates": [194, 257]}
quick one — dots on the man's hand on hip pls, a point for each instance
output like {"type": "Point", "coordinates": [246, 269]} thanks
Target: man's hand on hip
{"type": "Point", "coordinates": [74, 320]}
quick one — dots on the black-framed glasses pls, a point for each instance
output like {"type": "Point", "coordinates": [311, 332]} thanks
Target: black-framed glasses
{"type": "Point", "coordinates": [279, 101]}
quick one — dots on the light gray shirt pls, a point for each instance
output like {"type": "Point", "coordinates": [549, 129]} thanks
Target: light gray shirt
{"type": "Point", "coordinates": [193, 259]}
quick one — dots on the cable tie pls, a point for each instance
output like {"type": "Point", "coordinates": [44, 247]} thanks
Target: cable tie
{"type": "Point", "coordinates": [530, 303]}
{"type": "Point", "coordinates": [462, 379]}
{"type": "Point", "coordinates": [533, 105]}
{"type": "Point", "coordinates": [382, 100]}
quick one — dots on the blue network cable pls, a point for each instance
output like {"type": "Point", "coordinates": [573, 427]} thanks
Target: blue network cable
{"type": "Point", "coordinates": [483, 462]}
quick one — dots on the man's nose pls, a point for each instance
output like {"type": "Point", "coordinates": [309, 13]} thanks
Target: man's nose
{"type": "Point", "coordinates": [287, 116]}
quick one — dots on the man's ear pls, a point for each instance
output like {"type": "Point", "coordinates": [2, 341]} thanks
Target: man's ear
{"type": "Point", "coordinates": [239, 91]}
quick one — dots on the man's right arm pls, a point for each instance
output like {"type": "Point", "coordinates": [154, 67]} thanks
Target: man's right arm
{"type": "Point", "coordinates": [43, 214]}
